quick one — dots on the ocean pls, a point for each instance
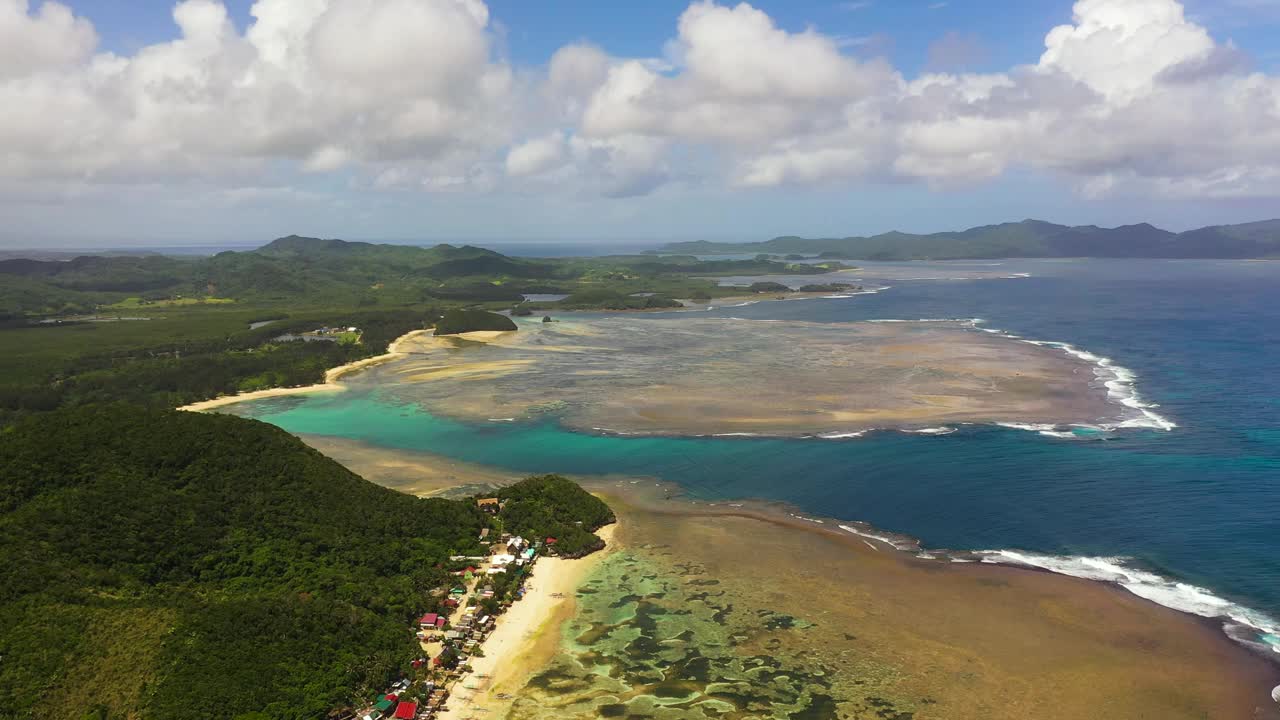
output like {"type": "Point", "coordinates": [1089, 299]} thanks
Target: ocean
{"type": "Point", "coordinates": [1188, 516]}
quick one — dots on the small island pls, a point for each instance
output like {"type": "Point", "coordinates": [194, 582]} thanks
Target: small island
{"type": "Point", "coordinates": [458, 320]}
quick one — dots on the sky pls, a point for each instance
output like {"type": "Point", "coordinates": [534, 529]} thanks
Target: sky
{"type": "Point", "coordinates": [149, 122]}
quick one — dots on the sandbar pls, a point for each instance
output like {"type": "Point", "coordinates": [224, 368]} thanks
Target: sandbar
{"type": "Point", "coordinates": [713, 376]}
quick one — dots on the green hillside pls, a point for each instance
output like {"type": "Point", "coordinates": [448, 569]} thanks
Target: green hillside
{"type": "Point", "coordinates": [163, 564]}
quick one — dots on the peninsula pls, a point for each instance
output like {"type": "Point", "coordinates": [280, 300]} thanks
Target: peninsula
{"type": "Point", "coordinates": [1025, 239]}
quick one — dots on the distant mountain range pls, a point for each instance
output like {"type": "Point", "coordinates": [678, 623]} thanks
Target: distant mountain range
{"type": "Point", "coordinates": [1027, 239]}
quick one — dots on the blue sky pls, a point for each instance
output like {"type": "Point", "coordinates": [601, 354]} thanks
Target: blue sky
{"type": "Point", "coordinates": [1012, 31]}
{"type": "Point", "coordinates": [679, 183]}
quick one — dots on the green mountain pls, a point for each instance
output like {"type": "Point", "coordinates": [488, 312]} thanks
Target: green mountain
{"type": "Point", "coordinates": [1029, 238]}
{"type": "Point", "coordinates": [159, 564]}
{"type": "Point", "coordinates": [299, 271]}
{"type": "Point", "coordinates": [293, 270]}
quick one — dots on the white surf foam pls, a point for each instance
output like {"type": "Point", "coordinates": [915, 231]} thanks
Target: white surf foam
{"type": "Point", "coordinates": [1062, 434]}
{"type": "Point", "coordinates": [611, 431]}
{"type": "Point", "coordinates": [807, 519]}
{"type": "Point", "coordinates": [931, 431]}
{"type": "Point", "coordinates": [1030, 427]}
{"type": "Point", "coordinates": [1181, 596]}
{"type": "Point", "coordinates": [1045, 429]}
{"type": "Point", "coordinates": [890, 541]}
{"type": "Point", "coordinates": [842, 436]}
{"type": "Point", "coordinates": [1119, 382]}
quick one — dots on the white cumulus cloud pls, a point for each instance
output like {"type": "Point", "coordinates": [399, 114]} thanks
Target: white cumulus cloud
{"type": "Point", "coordinates": [322, 83]}
{"type": "Point", "coordinates": [1127, 96]}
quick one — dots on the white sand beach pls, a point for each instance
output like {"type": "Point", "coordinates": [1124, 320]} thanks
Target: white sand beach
{"type": "Point", "coordinates": [524, 637]}
{"type": "Point", "coordinates": [395, 351]}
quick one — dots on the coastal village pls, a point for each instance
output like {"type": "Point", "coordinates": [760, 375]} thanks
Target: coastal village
{"type": "Point", "coordinates": [453, 632]}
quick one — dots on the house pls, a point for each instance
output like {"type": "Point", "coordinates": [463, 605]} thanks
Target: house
{"type": "Point", "coordinates": [428, 620]}
{"type": "Point", "coordinates": [489, 505]}
{"type": "Point", "coordinates": [484, 533]}
{"type": "Point", "coordinates": [406, 711]}
{"type": "Point", "coordinates": [440, 622]}
{"type": "Point", "coordinates": [382, 708]}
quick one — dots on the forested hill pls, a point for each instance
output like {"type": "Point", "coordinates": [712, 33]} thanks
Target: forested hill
{"type": "Point", "coordinates": [163, 564]}
{"type": "Point", "coordinates": [298, 271]}
{"type": "Point", "coordinates": [1029, 238]}
{"type": "Point", "coordinates": [291, 270]}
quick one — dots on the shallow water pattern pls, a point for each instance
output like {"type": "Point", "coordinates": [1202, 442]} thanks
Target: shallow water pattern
{"type": "Point", "coordinates": [705, 376]}
{"type": "Point", "coordinates": [1199, 505]}
{"type": "Point", "coordinates": [655, 636]}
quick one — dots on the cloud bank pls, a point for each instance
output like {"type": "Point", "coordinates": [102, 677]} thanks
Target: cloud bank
{"type": "Point", "coordinates": [1129, 96]}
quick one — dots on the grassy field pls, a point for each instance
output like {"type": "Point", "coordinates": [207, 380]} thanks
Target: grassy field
{"type": "Point", "coordinates": [135, 303]}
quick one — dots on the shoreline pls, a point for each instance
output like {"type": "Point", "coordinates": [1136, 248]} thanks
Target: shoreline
{"type": "Point", "coordinates": [860, 536]}
{"type": "Point", "coordinates": [1252, 660]}
{"type": "Point", "coordinates": [330, 383]}
{"type": "Point", "coordinates": [525, 636]}
{"type": "Point", "coordinates": [530, 643]}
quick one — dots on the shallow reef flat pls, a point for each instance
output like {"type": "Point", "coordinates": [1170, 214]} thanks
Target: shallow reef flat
{"type": "Point", "coordinates": [717, 615]}
{"type": "Point", "coordinates": [709, 376]}
{"type": "Point", "coordinates": [415, 473]}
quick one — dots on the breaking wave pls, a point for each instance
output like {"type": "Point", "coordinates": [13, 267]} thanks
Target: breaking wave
{"type": "Point", "coordinates": [1240, 623]}
{"type": "Point", "coordinates": [1245, 625]}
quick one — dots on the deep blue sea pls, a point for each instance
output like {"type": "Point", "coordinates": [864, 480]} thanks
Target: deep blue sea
{"type": "Point", "coordinates": [1188, 517]}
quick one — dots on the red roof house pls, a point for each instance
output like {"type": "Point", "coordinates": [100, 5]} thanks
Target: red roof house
{"type": "Point", "coordinates": [551, 541]}
{"type": "Point", "coordinates": [406, 711]}
{"type": "Point", "coordinates": [428, 620]}
{"type": "Point", "coordinates": [440, 621]}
